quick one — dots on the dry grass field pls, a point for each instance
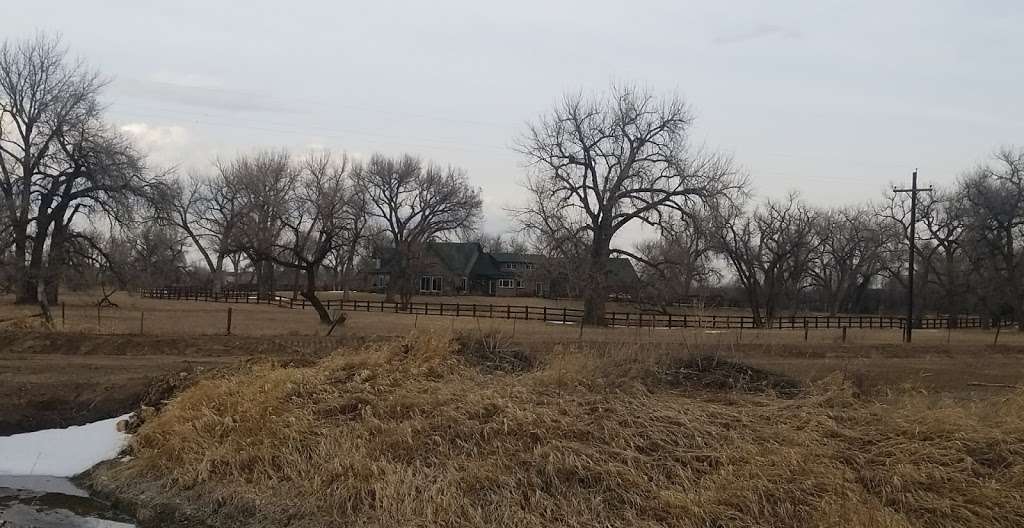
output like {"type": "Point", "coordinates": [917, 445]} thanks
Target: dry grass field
{"type": "Point", "coordinates": [279, 425]}
{"type": "Point", "coordinates": [433, 431]}
{"type": "Point", "coordinates": [136, 315]}
{"type": "Point", "coordinates": [141, 340]}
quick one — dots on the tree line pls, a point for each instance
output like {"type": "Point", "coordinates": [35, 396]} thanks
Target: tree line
{"type": "Point", "coordinates": [601, 162]}
{"type": "Point", "coordinates": [81, 207]}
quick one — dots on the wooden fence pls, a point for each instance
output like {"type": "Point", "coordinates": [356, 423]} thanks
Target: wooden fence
{"type": "Point", "coordinates": [572, 315]}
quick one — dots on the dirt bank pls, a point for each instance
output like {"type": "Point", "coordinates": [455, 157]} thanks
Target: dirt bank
{"type": "Point", "coordinates": [56, 379]}
{"type": "Point", "coordinates": [53, 379]}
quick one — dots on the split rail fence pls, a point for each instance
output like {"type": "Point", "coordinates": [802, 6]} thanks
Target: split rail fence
{"type": "Point", "coordinates": [557, 315]}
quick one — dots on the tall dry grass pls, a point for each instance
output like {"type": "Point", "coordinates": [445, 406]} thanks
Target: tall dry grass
{"type": "Point", "coordinates": [418, 432]}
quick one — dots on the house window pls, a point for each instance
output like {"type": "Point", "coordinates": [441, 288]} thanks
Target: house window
{"type": "Point", "coordinates": [506, 283]}
{"type": "Point", "coordinates": [430, 284]}
{"type": "Point", "coordinates": [530, 266]}
{"type": "Point", "coordinates": [380, 280]}
{"type": "Point", "coordinates": [519, 283]}
{"type": "Point", "coordinates": [510, 265]}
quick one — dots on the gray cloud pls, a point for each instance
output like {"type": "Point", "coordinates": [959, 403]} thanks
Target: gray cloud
{"type": "Point", "coordinates": [758, 32]}
{"type": "Point", "coordinates": [455, 81]}
{"type": "Point", "coordinates": [196, 95]}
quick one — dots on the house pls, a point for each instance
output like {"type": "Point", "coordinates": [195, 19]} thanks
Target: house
{"type": "Point", "coordinates": [445, 268]}
{"type": "Point", "coordinates": [464, 268]}
{"type": "Point", "coordinates": [521, 274]}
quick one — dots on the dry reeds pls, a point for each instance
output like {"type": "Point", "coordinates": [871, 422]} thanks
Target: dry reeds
{"type": "Point", "coordinates": [411, 433]}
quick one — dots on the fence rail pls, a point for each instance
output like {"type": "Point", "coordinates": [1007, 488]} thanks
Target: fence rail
{"type": "Point", "coordinates": [573, 315]}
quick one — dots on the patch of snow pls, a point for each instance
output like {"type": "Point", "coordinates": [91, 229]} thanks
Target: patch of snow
{"type": "Point", "coordinates": [61, 452]}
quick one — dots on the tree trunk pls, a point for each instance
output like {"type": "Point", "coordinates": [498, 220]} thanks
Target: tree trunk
{"type": "Point", "coordinates": [25, 287]}
{"type": "Point", "coordinates": [595, 297]}
{"type": "Point", "coordinates": [218, 274]}
{"type": "Point", "coordinates": [309, 293]}
{"type": "Point", "coordinates": [755, 310]}
{"type": "Point", "coordinates": [264, 270]}
{"type": "Point", "coordinates": [41, 296]}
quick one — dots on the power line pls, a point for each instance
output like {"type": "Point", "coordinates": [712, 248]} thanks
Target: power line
{"type": "Point", "coordinates": [908, 331]}
{"type": "Point", "coordinates": [324, 102]}
{"type": "Point", "coordinates": [333, 133]}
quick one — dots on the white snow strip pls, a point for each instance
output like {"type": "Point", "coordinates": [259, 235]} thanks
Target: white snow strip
{"type": "Point", "coordinates": [61, 452]}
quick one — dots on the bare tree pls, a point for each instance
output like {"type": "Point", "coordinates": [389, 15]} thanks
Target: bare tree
{"type": "Point", "coordinates": [414, 203]}
{"type": "Point", "coordinates": [185, 204]}
{"type": "Point", "coordinates": [995, 194]}
{"type": "Point", "coordinates": [944, 217]}
{"type": "Point", "coordinates": [59, 162]}
{"type": "Point", "coordinates": [678, 262]}
{"type": "Point", "coordinates": [612, 160]}
{"type": "Point", "coordinates": [769, 250]}
{"type": "Point", "coordinates": [261, 183]}
{"type": "Point", "coordinates": [342, 260]}
{"type": "Point", "coordinates": [315, 219]}
{"type": "Point", "coordinates": [42, 94]}
{"type": "Point", "coordinates": [848, 255]}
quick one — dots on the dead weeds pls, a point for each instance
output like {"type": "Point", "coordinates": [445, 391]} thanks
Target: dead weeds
{"type": "Point", "coordinates": [412, 433]}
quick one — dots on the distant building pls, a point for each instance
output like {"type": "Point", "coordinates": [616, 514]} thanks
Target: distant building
{"type": "Point", "coordinates": [464, 268]}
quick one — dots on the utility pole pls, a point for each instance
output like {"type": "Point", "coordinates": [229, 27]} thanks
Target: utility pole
{"type": "Point", "coordinates": [908, 329]}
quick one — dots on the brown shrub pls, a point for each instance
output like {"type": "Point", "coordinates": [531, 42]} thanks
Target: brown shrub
{"type": "Point", "coordinates": [712, 372]}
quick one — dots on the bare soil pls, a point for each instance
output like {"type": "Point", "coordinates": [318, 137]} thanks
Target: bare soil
{"type": "Point", "coordinates": [53, 379]}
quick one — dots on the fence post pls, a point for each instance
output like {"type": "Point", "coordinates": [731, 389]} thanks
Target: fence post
{"type": "Point", "coordinates": [563, 321]}
{"type": "Point", "coordinates": [229, 320]}
{"type": "Point", "coordinates": [805, 329]}
{"type": "Point", "coordinates": [545, 313]}
{"type": "Point", "coordinates": [844, 334]}
{"type": "Point", "coordinates": [63, 319]}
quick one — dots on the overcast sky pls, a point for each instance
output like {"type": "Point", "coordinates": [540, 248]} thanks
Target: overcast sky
{"type": "Point", "coordinates": [833, 99]}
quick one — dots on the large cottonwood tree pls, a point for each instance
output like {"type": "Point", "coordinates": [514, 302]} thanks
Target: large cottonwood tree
{"type": "Point", "coordinates": [60, 163]}
{"type": "Point", "coordinates": [604, 162]}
